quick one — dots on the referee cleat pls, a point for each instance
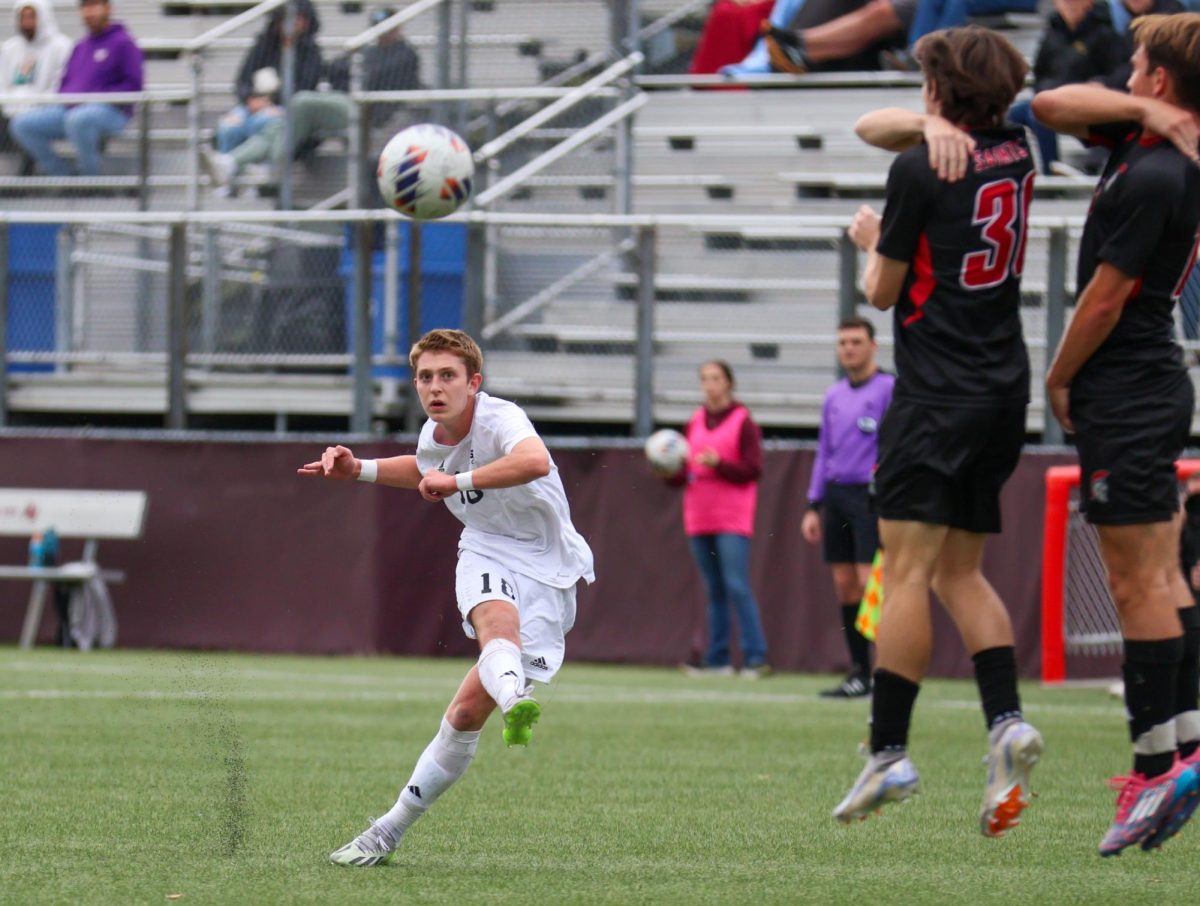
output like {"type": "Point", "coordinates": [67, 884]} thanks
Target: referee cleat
{"type": "Point", "coordinates": [1014, 753]}
{"type": "Point", "coordinates": [519, 721]}
{"type": "Point", "coordinates": [1149, 810]}
{"type": "Point", "coordinates": [374, 846]}
{"type": "Point", "coordinates": [856, 685]}
{"type": "Point", "coordinates": [881, 781]}
{"type": "Point", "coordinates": [785, 49]}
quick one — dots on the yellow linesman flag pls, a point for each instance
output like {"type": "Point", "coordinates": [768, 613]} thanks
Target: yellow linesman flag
{"type": "Point", "coordinates": [872, 602]}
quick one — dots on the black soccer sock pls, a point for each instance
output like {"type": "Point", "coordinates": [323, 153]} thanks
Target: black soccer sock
{"type": "Point", "coordinates": [1187, 691]}
{"type": "Point", "coordinates": [856, 642]}
{"type": "Point", "coordinates": [1151, 672]}
{"type": "Point", "coordinates": [891, 711]}
{"type": "Point", "coordinates": [996, 676]}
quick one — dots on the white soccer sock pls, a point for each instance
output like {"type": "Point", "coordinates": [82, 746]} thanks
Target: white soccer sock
{"type": "Point", "coordinates": [1187, 726]}
{"type": "Point", "coordinates": [1157, 740]}
{"type": "Point", "coordinates": [501, 672]}
{"type": "Point", "coordinates": [443, 762]}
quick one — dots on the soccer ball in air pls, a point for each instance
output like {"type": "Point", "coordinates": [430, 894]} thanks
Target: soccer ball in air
{"type": "Point", "coordinates": [425, 172]}
{"type": "Point", "coordinates": [667, 450]}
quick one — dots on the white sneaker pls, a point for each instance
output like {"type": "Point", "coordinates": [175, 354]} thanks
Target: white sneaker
{"type": "Point", "coordinates": [1016, 750]}
{"type": "Point", "coordinates": [374, 846]}
{"type": "Point", "coordinates": [221, 168]}
{"type": "Point", "coordinates": [881, 781]}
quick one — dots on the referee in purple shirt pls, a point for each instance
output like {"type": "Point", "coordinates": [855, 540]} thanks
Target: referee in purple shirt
{"type": "Point", "coordinates": [839, 497]}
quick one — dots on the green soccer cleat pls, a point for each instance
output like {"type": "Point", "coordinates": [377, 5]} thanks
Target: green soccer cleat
{"type": "Point", "coordinates": [519, 721]}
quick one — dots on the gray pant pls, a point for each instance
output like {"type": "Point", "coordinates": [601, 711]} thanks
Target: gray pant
{"type": "Point", "coordinates": [312, 113]}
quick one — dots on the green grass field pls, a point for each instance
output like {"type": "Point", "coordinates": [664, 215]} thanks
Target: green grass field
{"type": "Point", "coordinates": [129, 777]}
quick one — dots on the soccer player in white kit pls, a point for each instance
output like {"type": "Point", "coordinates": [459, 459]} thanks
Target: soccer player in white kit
{"type": "Point", "coordinates": [519, 559]}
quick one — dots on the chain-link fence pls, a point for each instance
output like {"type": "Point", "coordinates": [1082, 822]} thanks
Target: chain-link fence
{"type": "Point", "coordinates": [597, 319]}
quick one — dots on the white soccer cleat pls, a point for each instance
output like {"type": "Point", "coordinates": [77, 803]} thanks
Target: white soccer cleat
{"type": "Point", "coordinates": [1016, 750]}
{"type": "Point", "coordinates": [374, 846]}
{"type": "Point", "coordinates": [883, 780]}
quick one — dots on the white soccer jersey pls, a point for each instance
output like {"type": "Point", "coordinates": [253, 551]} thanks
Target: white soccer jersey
{"type": "Point", "coordinates": [528, 528]}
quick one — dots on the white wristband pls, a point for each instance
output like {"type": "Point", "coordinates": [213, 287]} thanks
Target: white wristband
{"type": "Point", "coordinates": [369, 470]}
{"type": "Point", "coordinates": [465, 481]}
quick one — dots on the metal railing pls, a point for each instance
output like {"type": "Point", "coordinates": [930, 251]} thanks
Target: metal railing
{"type": "Point", "coordinates": [582, 317]}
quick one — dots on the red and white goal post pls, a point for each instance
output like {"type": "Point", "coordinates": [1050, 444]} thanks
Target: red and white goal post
{"type": "Point", "coordinates": [1078, 614]}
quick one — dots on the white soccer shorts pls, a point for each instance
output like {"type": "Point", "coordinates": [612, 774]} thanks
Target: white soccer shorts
{"type": "Point", "coordinates": [547, 613]}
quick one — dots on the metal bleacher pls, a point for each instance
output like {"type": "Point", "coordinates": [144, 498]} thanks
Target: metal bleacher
{"type": "Point", "coordinates": [763, 296]}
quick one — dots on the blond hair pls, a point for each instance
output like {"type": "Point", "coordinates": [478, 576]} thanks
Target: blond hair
{"type": "Point", "coordinates": [1173, 43]}
{"type": "Point", "coordinates": [453, 341]}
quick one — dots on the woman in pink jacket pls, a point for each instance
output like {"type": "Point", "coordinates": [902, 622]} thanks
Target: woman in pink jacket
{"type": "Point", "coordinates": [719, 500]}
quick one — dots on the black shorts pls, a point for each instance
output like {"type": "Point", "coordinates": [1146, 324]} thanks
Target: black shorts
{"type": "Point", "coordinates": [945, 465]}
{"type": "Point", "coordinates": [1127, 451]}
{"type": "Point", "coordinates": [849, 529]}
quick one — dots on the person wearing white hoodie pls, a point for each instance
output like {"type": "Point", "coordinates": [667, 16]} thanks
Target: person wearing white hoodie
{"type": "Point", "coordinates": [32, 60]}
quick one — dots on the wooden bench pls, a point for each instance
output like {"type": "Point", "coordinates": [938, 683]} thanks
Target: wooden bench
{"type": "Point", "coordinates": [90, 515]}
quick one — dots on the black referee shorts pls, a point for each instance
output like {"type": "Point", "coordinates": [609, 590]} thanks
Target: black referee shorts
{"type": "Point", "coordinates": [849, 529]}
{"type": "Point", "coordinates": [1127, 450]}
{"type": "Point", "coordinates": [945, 465]}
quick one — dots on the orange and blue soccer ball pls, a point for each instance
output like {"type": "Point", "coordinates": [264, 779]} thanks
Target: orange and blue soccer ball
{"type": "Point", "coordinates": [425, 172]}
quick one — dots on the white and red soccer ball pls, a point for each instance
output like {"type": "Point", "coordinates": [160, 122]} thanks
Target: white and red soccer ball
{"type": "Point", "coordinates": [425, 172]}
{"type": "Point", "coordinates": [667, 450]}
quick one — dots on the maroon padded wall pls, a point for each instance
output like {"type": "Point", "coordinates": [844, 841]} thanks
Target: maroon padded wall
{"type": "Point", "coordinates": [240, 553]}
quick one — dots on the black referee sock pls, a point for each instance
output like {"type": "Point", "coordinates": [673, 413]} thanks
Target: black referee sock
{"type": "Point", "coordinates": [996, 676]}
{"type": "Point", "coordinates": [856, 642]}
{"type": "Point", "coordinates": [1151, 672]}
{"type": "Point", "coordinates": [891, 711]}
{"type": "Point", "coordinates": [1187, 690]}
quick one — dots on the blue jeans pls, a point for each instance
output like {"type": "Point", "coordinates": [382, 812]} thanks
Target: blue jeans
{"type": "Point", "coordinates": [933, 15]}
{"type": "Point", "coordinates": [724, 561]}
{"type": "Point", "coordinates": [1021, 113]}
{"type": "Point", "coordinates": [86, 126]}
{"type": "Point", "coordinates": [240, 124]}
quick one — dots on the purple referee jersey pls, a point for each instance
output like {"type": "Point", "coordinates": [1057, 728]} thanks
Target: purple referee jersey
{"type": "Point", "coordinates": [849, 442]}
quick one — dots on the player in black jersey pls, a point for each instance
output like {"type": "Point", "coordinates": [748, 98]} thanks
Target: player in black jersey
{"type": "Point", "coordinates": [1119, 383]}
{"type": "Point", "coordinates": [947, 254]}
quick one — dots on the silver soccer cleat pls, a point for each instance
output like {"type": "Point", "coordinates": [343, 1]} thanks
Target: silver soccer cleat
{"type": "Point", "coordinates": [881, 781]}
{"type": "Point", "coordinates": [374, 846]}
{"type": "Point", "coordinates": [1015, 752]}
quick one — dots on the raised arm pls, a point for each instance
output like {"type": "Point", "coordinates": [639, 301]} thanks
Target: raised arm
{"type": "Point", "coordinates": [339, 464]}
{"type": "Point", "coordinates": [528, 461]}
{"type": "Point", "coordinates": [1074, 109]}
{"type": "Point", "coordinates": [896, 129]}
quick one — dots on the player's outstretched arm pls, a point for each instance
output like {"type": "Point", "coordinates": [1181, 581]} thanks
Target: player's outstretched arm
{"type": "Point", "coordinates": [896, 129]}
{"type": "Point", "coordinates": [528, 461]}
{"type": "Point", "coordinates": [339, 464]}
{"type": "Point", "coordinates": [1074, 109]}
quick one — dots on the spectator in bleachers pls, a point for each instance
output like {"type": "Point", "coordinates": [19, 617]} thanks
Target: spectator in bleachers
{"type": "Point", "coordinates": [1079, 44]}
{"type": "Point", "coordinates": [257, 92]}
{"type": "Point", "coordinates": [1123, 12]}
{"type": "Point", "coordinates": [32, 60]}
{"type": "Point", "coordinates": [825, 35]}
{"type": "Point", "coordinates": [105, 60]}
{"type": "Point", "coordinates": [934, 15]}
{"type": "Point", "coordinates": [730, 32]}
{"type": "Point", "coordinates": [860, 37]}
{"type": "Point", "coordinates": [391, 64]}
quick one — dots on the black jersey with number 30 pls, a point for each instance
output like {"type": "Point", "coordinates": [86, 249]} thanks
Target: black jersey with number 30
{"type": "Point", "coordinates": [1143, 221]}
{"type": "Point", "coordinates": [958, 323]}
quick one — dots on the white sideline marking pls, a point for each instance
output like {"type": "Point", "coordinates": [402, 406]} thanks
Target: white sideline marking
{"type": "Point", "coordinates": [580, 695]}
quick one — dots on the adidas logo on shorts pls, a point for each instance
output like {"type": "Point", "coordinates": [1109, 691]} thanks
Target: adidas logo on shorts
{"type": "Point", "coordinates": [539, 663]}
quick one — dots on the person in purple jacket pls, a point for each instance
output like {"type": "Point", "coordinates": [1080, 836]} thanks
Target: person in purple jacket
{"type": "Point", "coordinates": [106, 59]}
{"type": "Point", "coordinates": [838, 495]}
